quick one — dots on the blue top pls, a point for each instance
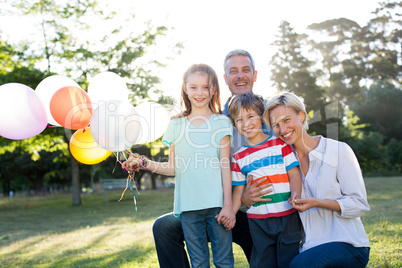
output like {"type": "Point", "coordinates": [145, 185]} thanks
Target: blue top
{"type": "Point", "coordinates": [197, 168]}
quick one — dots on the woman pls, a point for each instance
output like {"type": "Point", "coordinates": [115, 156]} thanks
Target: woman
{"type": "Point", "coordinates": [333, 195]}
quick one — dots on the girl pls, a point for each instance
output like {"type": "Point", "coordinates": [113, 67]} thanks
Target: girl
{"type": "Point", "coordinates": [333, 194]}
{"type": "Point", "coordinates": [199, 141]}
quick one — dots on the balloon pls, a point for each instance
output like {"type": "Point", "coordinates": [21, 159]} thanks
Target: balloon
{"type": "Point", "coordinates": [115, 125]}
{"type": "Point", "coordinates": [107, 86]}
{"type": "Point", "coordinates": [84, 148]}
{"type": "Point", "coordinates": [22, 114]}
{"type": "Point", "coordinates": [154, 120]}
{"type": "Point", "coordinates": [47, 87]}
{"type": "Point", "coordinates": [71, 107]}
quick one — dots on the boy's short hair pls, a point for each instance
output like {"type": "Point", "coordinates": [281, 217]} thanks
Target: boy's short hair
{"type": "Point", "coordinates": [247, 101]}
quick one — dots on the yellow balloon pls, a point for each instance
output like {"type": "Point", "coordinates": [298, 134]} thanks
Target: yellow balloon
{"type": "Point", "coordinates": [84, 148]}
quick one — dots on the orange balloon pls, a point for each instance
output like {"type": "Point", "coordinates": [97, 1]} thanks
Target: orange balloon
{"type": "Point", "coordinates": [71, 107]}
{"type": "Point", "coordinates": [84, 148]}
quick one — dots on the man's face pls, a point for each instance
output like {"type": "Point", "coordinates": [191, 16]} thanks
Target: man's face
{"type": "Point", "coordinates": [239, 74]}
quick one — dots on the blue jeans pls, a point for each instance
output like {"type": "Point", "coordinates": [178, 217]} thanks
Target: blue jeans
{"type": "Point", "coordinates": [197, 226]}
{"type": "Point", "coordinates": [169, 240]}
{"type": "Point", "coordinates": [334, 254]}
{"type": "Point", "coordinates": [276, 240]}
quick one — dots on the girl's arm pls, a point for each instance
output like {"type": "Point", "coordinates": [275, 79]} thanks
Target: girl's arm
{"type": "Point", "coordinates": [165, 168]}
{"type": "Point", "coordinates": [227, 212]}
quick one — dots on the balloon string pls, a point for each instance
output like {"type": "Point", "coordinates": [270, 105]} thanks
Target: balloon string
{"type": "Point", "coordinates": [115, 164]}
{"type": "Point", "coordinates": [132, 177]}
{"type": "Point", "coordinates": [121, 197]}
{"type": "Point", "coordinates": [135, 201]}
{"type": "Point", "coordinates": [128, 184]}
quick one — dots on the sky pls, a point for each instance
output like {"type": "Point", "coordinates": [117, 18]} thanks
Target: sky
{"type": "Point", "coordinates": [209, 29]}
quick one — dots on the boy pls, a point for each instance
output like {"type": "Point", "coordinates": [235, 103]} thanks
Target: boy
{"type": "Point", "coordinates": [274, 225]}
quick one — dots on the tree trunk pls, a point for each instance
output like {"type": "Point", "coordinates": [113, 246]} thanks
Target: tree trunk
{"type": "Point", "coordinates": [153, 180]}
{"type": "Point", "coordinates": [75, 181]}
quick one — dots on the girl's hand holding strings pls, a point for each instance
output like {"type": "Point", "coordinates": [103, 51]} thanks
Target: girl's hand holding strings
{"type": "Point", "coordinates": [135, 162]}
{"type": "Point", "coordinates": [130, 164]}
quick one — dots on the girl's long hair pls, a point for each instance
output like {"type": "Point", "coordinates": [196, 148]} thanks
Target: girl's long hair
{"type": "Point", "coordinates": [215, 103]}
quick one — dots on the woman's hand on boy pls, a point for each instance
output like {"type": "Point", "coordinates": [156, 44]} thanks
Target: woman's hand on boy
{"type": "Point", "coordinates": [254, 191]}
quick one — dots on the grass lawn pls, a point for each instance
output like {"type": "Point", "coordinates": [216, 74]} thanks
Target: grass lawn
{"type": "Point", "coordinates": [49, 232]}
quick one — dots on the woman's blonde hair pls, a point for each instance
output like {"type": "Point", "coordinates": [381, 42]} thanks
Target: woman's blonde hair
{"type": "Point", "coordinates": [215, 103]}
{"type": "Point", "coordinates": [288, 100]}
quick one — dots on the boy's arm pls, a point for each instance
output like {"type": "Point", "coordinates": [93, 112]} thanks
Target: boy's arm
{"type": "Point", "coordinates": [295, 181]}
{"type": "Point", "coordinates": [227, 210]}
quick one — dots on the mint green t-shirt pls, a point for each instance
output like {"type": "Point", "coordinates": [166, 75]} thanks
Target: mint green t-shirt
{"type": "Point", "coordinates": [197, 169]}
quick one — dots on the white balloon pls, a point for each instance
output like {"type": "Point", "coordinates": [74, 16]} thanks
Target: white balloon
{"type": "Point", "coordinates": [47, 87]}
{"type": "Point", "coordinates": [107, 86]}
{"type": "Point", "coordinates": [154, 120]}
{"type": "Point", "coordinates": [115, 125]}
{"type": "Point", "coordinates": [22, 114]}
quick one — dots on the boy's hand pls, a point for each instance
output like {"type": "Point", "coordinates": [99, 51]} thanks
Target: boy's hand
{"type": "Point", "coordinates": [253, 192]}
{"type": "Point", "coordinates": [226, 217]}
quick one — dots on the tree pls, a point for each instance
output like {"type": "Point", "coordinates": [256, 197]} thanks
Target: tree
{"type": "Point", "coordinates": [381, 109]}
{"type": "Point", "coordinates": [354, 57]}
{"type": "Point", "coordinates": [332, 50]}
{"type": "Point", "coordinates": [61, 22]}
{"type": "Point", "coordinates": [291, 72]}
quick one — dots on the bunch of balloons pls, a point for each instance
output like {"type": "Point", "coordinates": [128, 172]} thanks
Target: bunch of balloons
{"type": "Point", "coordinates": [104, 120]}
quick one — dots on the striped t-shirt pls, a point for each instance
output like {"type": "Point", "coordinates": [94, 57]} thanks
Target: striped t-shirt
{"type": "Point", "coordinates": [272, 159]}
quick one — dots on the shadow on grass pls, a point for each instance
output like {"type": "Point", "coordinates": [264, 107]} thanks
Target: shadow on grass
{"type": "Point", "coordinates": [135, 256]}
{"type": "Point", "coordinates": [22, 218]}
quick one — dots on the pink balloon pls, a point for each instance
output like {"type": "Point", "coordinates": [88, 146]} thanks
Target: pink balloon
{"type": "Point", "coordinates": [22, 114]}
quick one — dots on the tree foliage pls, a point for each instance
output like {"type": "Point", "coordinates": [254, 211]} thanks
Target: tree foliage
{"type": "Point", "coordinates": [68, 47]}
{"type": "Point", "coordinates": [359, 67]}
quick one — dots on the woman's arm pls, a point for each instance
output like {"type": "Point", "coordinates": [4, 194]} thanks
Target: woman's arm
{"type": "Point", "coordinates": [310, 202]}
{"type": "Point", "coordinates": [354, 200]}
{"type": "Point", "coordinates": [347, 181]}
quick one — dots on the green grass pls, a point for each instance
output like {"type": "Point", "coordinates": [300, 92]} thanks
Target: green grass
{"type": "Point", "coordinates": [49, 232]}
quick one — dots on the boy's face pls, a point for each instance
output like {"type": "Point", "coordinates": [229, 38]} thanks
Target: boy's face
{"type": "Point", "coordinates": [249, 124]}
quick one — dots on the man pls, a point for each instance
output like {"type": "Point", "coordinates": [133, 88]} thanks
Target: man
{"type": "Point", "coordinates": [240, 75]}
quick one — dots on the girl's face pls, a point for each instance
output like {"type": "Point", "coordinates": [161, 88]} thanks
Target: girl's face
{"type": "Point", "coordinates": [287, 123]}
{"type": "Point", "coordinates": [199, 90]}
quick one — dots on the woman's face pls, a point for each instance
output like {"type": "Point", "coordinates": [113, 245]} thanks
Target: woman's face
{"type": "Point", "coordinates": [287, 123]}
